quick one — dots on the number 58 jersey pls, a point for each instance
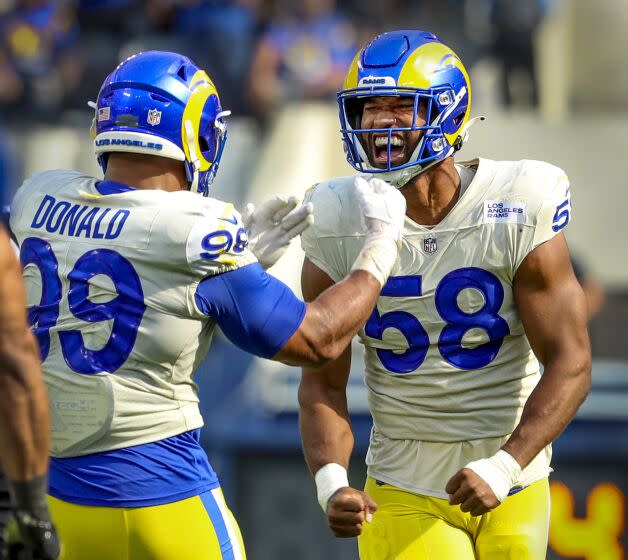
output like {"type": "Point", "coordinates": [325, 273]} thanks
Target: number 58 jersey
{"type": "Point", "coordinates": [111, 275]}
{"type": "Point", "coordinates": [448, 365]}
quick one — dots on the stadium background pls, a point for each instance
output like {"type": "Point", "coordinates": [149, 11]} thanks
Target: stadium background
{"type": "Point", "coordinates": [550, 75]}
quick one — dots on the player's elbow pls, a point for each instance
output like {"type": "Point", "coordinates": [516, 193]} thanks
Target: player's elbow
{"type": "Point", "coordinates": [322, 353]}
{"type": "Point", "coordinates": [582, 371]}
{"type": "Point", "coordinates": [309, 392]}
{"type": "Point", "coordinates": [577, 367]}
{"type": "Point", "coordinates": [306, 349]}
{"type": "Point", "coordinates": [325, 348]}
{"type": "Point", "coordinates": [320, 337]}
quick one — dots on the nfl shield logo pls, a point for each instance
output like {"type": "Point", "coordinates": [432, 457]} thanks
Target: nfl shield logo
{"type": "Point", "coordinates": [154, 117]}
{"type": "Point", "coordinates": [430, 245]}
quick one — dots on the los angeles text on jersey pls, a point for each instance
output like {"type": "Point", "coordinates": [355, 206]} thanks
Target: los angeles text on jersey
{"type": "Point", "coordinates": [79, 220]}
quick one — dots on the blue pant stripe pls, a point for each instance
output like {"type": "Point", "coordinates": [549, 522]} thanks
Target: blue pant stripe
{"type": "Point", "coordinates": [218, 522]}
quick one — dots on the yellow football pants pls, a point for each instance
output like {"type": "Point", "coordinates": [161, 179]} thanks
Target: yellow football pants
{"type": "Point", "coordinates": [408, 526]}
{"type": "Point", "coordinates": [198, 528]}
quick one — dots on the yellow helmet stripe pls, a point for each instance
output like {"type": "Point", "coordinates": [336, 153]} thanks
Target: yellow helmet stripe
{"type": "Point", "coordinates": [202, 88]}
{"type": "Point", "coordinates": [351, 79]}
{"type": "Point", "coordinates": [420, 67]}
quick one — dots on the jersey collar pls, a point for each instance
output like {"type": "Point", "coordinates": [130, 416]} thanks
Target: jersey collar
{"type": "Point", "coordinates": [111, 187]}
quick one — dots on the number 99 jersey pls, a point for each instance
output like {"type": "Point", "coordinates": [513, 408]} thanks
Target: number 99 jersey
{"type": "Point", "coordinates": [448, 365]}
{"type": "Point", "coordinates": [111, 275]}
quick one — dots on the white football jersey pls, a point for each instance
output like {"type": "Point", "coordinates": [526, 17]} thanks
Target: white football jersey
{"type": "Point", "coordinates": [111, 282]}
{"type": "Point", "coordinates": [447, 364]}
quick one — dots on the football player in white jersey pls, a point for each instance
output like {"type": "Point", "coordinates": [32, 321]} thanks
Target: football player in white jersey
{"type": "Point", "coordinates": [126, 279]}
{"type": "Point", "coordinates": [24, 423]}
{"type": "Point", "coordinates": [483, 291]}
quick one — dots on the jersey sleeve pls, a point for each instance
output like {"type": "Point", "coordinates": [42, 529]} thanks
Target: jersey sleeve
{"type": "Point", "coordinates": [255, 310]}
{"type": "Point", "coordinates": [217, 241]}
{"type": "Point", "coordinates": [320, 242]}
{"type": "Point", "coordinates": [549, 197]}
{"type": "Point", "coordinates": [33, 187]}
{"type": "Point", "coordinates": [555, 212]}
{"type": "Point", "coordinates": [16, 207]}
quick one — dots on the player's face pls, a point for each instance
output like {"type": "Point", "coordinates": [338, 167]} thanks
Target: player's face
{"type": "Point", "coordinates": [391, 112]}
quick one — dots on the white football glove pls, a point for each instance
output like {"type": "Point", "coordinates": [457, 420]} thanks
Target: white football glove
{"type": "Point", "coordinates": [273, 225]}
{"type": "Point", "coordinates": [383, 210]}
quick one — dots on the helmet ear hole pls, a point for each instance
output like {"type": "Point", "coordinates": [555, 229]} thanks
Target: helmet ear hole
{"type": "Point", "coordinates": [203, 145]}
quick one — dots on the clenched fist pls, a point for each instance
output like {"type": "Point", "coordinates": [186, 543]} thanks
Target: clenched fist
{"type": "Point", "coordinates": [472, 492]}
{"type": "Point", "coordinates": [347, 510]}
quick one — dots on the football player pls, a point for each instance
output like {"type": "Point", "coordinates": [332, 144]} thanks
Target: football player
{"type": "Point", "coordinates": [24, 423]}
{"type": "Point", "coordinates": [127, 278]}
{"type": "Point", "coordinates": [483, 291]}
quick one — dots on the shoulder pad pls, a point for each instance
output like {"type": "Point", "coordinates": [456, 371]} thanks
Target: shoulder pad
{"type": "Point", "coordinates": [335, 209]}
{"type": "Point", "coordinates": [539, 181]}
{"type": "Point", "coordinates": [51, 177]}
{"type": "Point", "coordinates": [46, 181]}
{"type": "Point", "coordinates": [547, 191]}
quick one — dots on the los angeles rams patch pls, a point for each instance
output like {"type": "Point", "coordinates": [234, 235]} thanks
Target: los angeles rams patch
{"type": "Point", "coordinates": [504, 212]}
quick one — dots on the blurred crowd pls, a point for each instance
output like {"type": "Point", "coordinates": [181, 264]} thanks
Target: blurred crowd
{"type": "Point", "coordinates": [261, 53]}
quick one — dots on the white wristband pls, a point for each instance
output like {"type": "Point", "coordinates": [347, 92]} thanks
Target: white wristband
{"type": "Point", "coordinates": [501, 472]}
{"type": "Point", "coordinates": [378, 256]}
{"type": "Point", "coordinates": [328, 479]}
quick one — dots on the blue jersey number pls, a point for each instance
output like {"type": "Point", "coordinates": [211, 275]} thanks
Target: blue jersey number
{"type": "Point", "coordinates": [125, 311]}
{"type": "Point", "coordinates": [43, 316]}
{"type": "Point", "coordinates": [218, 242]}
{"type": "Point", "coordinates": [562, 215]}
{"type": "Point", "coordinates": [458, 322]}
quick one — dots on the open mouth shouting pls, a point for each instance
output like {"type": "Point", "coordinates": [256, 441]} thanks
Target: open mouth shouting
{"type": "Point", "coordinates": [378, 148]}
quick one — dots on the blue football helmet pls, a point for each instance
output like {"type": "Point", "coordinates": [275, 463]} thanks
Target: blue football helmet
{"type": "Point", "coordinates": [414, 64]}
{"type": "Point", "coordinates": [162, 104]}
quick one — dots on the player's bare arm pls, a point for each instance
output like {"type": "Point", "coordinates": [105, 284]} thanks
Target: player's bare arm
{"type": "Point", "coordinates": [553, 311]}
{"type": "Point", "coordinates": [326, 429]}
{"type": "Point", "coordinates": [324, 332]}
{"type": "Point", "coordinates": [24, 422]}
{"type": "Point", "coordinates": [335, 316]}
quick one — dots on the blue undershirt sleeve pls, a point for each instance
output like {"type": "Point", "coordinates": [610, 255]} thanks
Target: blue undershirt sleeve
{"type": "Point", "coordinates": [257, 312]}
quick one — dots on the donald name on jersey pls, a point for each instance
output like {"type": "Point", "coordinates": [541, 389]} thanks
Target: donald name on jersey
{"type": "Point", "coordinates": [78, 220]}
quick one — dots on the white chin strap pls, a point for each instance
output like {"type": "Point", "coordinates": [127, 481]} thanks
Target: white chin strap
{"type": "Point", "coordinates": [400, 177]}
{"type": "Point", "coordinates": [190, 138]}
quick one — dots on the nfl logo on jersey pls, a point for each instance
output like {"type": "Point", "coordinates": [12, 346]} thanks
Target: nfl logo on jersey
{"type": "Point", "coordinates": [154, 117]}
{"type": "Point", "coordinates": [430, 245]}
